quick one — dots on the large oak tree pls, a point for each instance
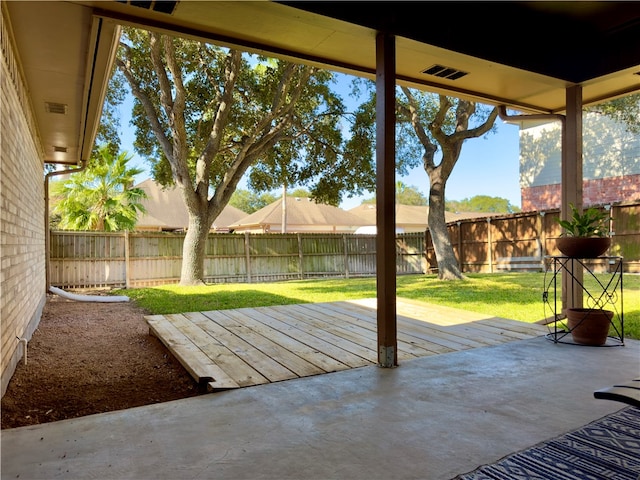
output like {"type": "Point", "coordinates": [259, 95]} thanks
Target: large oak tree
{"type": "Point", "coordinates": [205, 116]}
{"type": "Point", "coordinates": [443, 124]}
{"type": "Point", "coordinates": [430, 131]}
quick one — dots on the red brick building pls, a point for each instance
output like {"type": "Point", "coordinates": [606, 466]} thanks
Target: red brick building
{"type": "Point", "coordinates": [611, 164]}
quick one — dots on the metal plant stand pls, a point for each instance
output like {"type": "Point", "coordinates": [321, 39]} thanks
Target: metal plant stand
{"type": "Point", "coordinates": [602, 291]}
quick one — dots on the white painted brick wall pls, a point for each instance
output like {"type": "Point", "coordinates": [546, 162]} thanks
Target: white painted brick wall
{"type": "Point", "coordinates": [22, 234]}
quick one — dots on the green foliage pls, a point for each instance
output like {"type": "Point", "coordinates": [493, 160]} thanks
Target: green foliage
{"type": "Point", "coordinates": [249, 201]}
{"type": "Point", "coordinates": [481, 203]}
{"type": "Point", "coordinates": [109, 127]}
{"type": "Point", "coordinates": [624, 109]}
{"type": "Point", "coordinates": [409, 195]}
{"type": "Point", "coordinates": [299, 193]}
{"type": "Point", "coordinates": [405, 195]}
{"type": "Point", "coordinates": [99, 197]}
{"type": "Point", "coordinates": [283, 124]}
{"type": "Point", "coordinates": [591, 223]}
{"type": "Point", "coordinates": [510, 295]}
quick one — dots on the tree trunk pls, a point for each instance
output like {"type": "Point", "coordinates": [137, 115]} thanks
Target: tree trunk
{"type": "Point", "coordinates": [193, 250]}
{"type": "Point", "coordinates": [448, 268]}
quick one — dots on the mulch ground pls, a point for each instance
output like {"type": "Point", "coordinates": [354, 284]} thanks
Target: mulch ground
{"type": "Point", "coordinates": [88, 358]}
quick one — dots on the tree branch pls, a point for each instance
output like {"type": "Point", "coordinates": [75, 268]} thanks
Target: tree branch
{"type": "Point", "coordinates": [147, 104]}
{"type": "Point", "coordinates": [429, 147]}
{"type": "Point", "coordinates": [232, 69]}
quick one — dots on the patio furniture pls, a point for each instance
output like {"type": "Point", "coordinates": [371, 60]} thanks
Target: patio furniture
{"type": "Point", "coordinates": [625, 392]}
{"type": "Point", "coordinates": [600, 292]}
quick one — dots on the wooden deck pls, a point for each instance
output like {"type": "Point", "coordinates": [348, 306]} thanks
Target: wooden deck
{"type": "Point", "coordinates": [251, 346]}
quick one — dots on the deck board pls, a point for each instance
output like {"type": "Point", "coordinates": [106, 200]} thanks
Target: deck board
{"type": "Point", "coordinates": [332, 358]}
{"type": "Point", "coordinates": [199, 365]}
{"type": "Point", "coordinates": [251, 346]}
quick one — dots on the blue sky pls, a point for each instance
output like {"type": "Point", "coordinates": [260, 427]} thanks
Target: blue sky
{"type": "Point", "coordinates": [487, 166]}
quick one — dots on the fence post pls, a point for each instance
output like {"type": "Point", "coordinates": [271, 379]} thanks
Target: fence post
{"type": "Point", "coordinates": [346, 255]}
{"type": "Point", "coordinates": [300, 257]}
{"type": "Point", "coordinates": [127, 265]}
{"type": "Point", "coordinates": [489, 245]}
{"type": "Point", "coordinates": [543, 238]}
{"type": "Point", "coordinates": [247, 256]}
{"type": "Point", "coordinates": [460, 255]}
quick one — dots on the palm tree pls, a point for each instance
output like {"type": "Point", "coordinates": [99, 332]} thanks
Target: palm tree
{"type": "Point", "coordinates": [99, 197]}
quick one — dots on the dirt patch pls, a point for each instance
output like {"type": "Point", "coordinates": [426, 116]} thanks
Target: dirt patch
{"type": "Point", "coordinates": [88, 358]}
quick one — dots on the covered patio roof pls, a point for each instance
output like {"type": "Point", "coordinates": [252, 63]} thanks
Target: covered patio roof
{"type": "Point", "coordinates": [520, 54]}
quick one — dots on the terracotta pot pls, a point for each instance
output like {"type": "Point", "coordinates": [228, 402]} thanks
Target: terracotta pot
{"type": "Point", "coordinates": [583, 247]}
{"type": "Point", "coordinates": [589, 326]}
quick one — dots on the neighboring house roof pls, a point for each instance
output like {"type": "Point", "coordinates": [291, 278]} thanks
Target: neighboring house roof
{"type": "Point", "coordinates": [302, 215]}
{"type": "Point", "coordinates": [412, 218]}
{"type": "Point", "coordinates": [458, 216]}
{"type": "Point", "coordinates": [166, 210]}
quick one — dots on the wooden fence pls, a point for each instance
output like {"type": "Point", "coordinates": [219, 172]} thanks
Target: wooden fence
{"type": "Point", "coordinates": [521, 241]}
{"type": "Point", "coordinates": [91, 259]}
{"type": "Point", "coordinates": [510, 242]}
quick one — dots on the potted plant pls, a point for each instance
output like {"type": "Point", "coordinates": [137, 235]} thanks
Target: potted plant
{"type": "Point", "coordinates": [589, 326]}
{"type": "Point", "coordinates": [586, 234]}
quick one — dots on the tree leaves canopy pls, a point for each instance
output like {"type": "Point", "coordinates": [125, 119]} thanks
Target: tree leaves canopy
{"type": "Point", "coordinates": [282, 120]}
{"type": "Point", "coordinates": [249, 201]}
{"type": "Point", "coordinates": [405, 195]}
{"type": "Point", "coordinates": [482, 203]}
{"type": "Point", "coordinates": [624, 109]}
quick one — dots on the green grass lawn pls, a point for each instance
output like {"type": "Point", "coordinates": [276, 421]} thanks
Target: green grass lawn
{"type": "Point", "coordinates": [510, 295]}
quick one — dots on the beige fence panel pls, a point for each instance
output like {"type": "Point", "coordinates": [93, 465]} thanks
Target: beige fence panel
{"type": "Point", "coordinates": [87, 259]}
{"type": "Point", "coordinates": [82, 260]}
{"type": "Point", "coordinates": [154, 258]}
{"type": "Point", "coordinates": [361, 255]}
{"type": "Point", "coordinates": [410, 253]}
{"type": "Point", "coordinates": [226, 260]}
{"type": "Point", "coordinates": [322, 255]}
{"type": "Point", "coordinates": [274, 257]}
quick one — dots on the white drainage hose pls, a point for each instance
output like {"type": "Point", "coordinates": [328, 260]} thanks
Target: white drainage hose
{"type": "Point", "coordinates": [88, 298]}
{"type": "Point", "coordinates": [23, 341]}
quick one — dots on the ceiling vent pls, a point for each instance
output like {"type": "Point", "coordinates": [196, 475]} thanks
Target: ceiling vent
{"type": "Point", "coordinates": [57, 149]}
{"type": "Point", "coordinates": [160, 6]}
{"type": "Point", "coordinates": [52, 107]}
{"type": "Point", "coordinates": [445, 72]}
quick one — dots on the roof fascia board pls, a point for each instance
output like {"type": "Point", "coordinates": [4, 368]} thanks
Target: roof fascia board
{"type": "Point", "coordinates": [104, 39]}
{"type": "Point", "coordinates": [292, 55]}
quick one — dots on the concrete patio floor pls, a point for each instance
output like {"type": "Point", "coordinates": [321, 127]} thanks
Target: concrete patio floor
{"type": "Point", "coordinates": [430, 418]}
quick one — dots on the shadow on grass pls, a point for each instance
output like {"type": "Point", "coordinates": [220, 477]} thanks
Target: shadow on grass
{"type": "Point", "coordinates": [494, 290]}
{"type": "Point", "coordinates": [162, 302]}
{"type": "Point", "coordinates": [343, 288]}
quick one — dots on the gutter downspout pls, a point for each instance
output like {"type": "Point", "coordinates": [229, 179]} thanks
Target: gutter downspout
{"type": "Point", "coordinates": [502, 113]}
{"type": "Point", "coordinates": [47, 239]}
{"type": "Point", "coordinates": [23, 341]}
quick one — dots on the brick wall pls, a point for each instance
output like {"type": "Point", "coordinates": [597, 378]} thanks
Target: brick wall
{"type": "Point", "coordinates": [595, 192]}
{"type": "Point", "coordinates": [22, 235]}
